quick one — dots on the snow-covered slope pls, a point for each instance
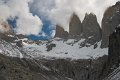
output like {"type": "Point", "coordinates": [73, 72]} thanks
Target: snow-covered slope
{"type": "Point", "coordinates": [9, 49]}
{"type": "Point", "coordinates": [63, 49]}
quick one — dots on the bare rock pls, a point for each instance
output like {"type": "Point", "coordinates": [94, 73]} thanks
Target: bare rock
{"type": "Point", "coordinates": [61, 33]}
{"type": "Point", "coordinates": [110, 21]}
{"type": "Point", "coordinates": [75, 26]}
{"type": "Point", "coordinates": [91, 29]}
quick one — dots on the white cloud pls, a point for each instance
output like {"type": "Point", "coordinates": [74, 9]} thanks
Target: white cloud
{"type": "Point", "coordinates": [59, 11]}
{"type": "Point", "coordinates": [31, 25]}
{"type": "Point", "coordinates": [26, 22]}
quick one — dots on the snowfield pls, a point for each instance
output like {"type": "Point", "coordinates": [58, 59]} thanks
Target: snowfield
{"type": "Point", "coordinates": [64, 49]}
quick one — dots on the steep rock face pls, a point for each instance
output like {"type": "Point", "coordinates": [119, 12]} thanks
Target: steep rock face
{"type": "Point", "coordinates": [110, 20]}
{"type": "Point", "coordinates": [113, 61]}
{"type": "Point", "coordinates": [25, 69]}
{"type": "Point", "coordinates": [75, 26]}
{"type": "Point", "coordinates": [78, 69]}
{"type": "Point", "coordinates": [60, 32]}
{"type": "Point", "coordinates": [91, 29]}
{"type": "Point", "coordinates": [32, 69]}
{"type": "Point", "coordinates": [114, 49]}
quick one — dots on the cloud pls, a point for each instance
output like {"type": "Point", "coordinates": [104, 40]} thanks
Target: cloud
{"type": "Point", "coordinates": [26, 22]}
{"type": "Point", "coordinates": [59, 12]}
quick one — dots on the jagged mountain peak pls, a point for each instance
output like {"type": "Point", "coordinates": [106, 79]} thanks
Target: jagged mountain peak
{"type": "Point", "coordinates": [110, 11]}
{"type": "Point", "coordinates": [74, 16]}
{"type": "Point", "coordinates": [117, 3]}
{"type": "Point", "coordinates": [72, 59]}
{"type": "Point", "coordinates": [60, 32]}
{"type": "Point", "coordinates": [75, 25]}
{"type": "Point", "coordinates": [89, 16]}
{"type": "Point", "coordinates": [91, 29]}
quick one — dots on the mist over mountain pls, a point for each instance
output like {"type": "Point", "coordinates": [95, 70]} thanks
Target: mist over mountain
{"type": "Point", "coordinates": [59, 40]}
{"type": "Point", "coordinates": [36, 13]}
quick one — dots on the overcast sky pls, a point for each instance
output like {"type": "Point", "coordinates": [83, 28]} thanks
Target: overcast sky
{"type": "Point", "coordinates": [59, 11]}
{"type": "Point", "coordinates": [31, 13]}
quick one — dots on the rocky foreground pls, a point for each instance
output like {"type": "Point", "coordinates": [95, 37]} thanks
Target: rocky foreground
{"type": "Point", "coordinates": [61, 69]}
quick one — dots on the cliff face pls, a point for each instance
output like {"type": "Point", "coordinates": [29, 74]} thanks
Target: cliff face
{"type": "Point", "coordinates": [61, 69]}
{"type": "Point", "coordinates": [111, 19]}
{"type": "Point", "coordinates": [91, 28]}
{"type": "Point", "coordinates": [113, 61]}
{"type": "Point", "coordinates": [114, 49]}
{"type": "Point", "coordinates": [25, 69]}
{"type": "Point", "coordinates": [75, 26]}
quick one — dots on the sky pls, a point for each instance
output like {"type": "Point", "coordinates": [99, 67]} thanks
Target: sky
{"type": "Point", "coordinates": [37, 18]}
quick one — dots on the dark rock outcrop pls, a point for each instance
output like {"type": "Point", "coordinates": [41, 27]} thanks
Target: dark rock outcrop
{"type": "Point", "coordinates": [111, 19]}
{"type": "Point", "coordinates": [114, 49]}
{"type": "Point", "coordinates": [25, 69]}
{"type": "Point", "coordinates": [61, 33]}
{"type": "Point", "coordinates": [50, 46]}
{"type": "Point", "coordinates": [20, 36]}
{"type": "Point", "coordinates": [75, 26]}
{"type": "Point", "coordinates": [91, 30]}
{"type": "Point", "coordinates": [78, 69]}
{"type": "Point", "coordinates": [19, 43]}
{"type": "Point", "coordinates": [113, 61]}
{"type": "Point", "coordinates": [42, 69]}
{"type": "Point", "coordinates": [7, 37]}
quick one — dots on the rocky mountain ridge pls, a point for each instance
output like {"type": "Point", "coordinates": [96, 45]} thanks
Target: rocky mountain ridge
{"type": "Point", "coordinates": [25, 64]}
{"type": "Point", "coordinates": [75, 26]}
{"type": "Point", "coordinates": [52, 59]}
{"type": "Point", "coordinates": [110, 21]}
{"type": "Point", "coordinates": [89, 28]}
